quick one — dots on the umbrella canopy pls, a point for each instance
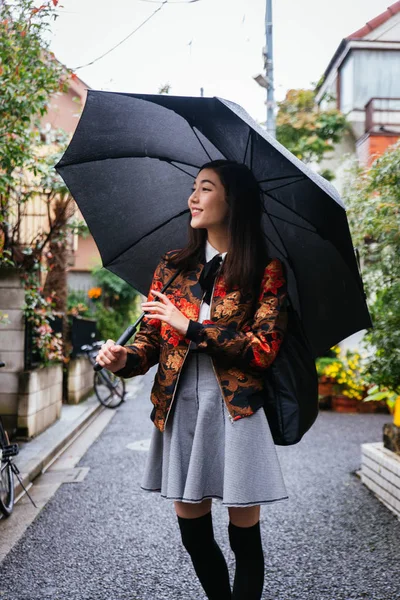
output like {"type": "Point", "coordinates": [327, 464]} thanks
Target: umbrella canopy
{"type": "Point", "coordinates": [130, 167]}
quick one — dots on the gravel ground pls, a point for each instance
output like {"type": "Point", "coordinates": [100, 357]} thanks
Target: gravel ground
{"type": "Point", "coordinates": [106, 539]}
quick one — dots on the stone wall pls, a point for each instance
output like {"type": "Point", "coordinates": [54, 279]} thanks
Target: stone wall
{"type": "Point", "coordinates": [80, 379]}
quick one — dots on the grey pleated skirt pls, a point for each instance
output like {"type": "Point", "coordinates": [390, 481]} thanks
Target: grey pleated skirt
{"type": "Point", "coordinates": [202, 454]}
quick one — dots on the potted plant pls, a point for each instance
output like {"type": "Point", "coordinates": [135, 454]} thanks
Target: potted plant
{"type": "Point", "coordinates": [327, 369]}
{"type": "Point", "coordinates": [351, 384]}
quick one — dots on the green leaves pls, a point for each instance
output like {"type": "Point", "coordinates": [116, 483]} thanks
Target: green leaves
{"type": "Point", "coordinates": [372, 198]}
{"type": "Point", "coordinates": [28, 77]}
{"type": "Point", "coordinates": [306, 130]}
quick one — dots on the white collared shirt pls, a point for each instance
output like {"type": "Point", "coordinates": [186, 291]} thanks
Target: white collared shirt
{"type": "Point", "coordinates": [205, 308]}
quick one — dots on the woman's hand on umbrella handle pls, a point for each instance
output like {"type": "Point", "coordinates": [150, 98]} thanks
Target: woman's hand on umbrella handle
{"type": "Point", "coordinates": [111, 356]}
{"type": "Point", "coordinates": [166, 311]}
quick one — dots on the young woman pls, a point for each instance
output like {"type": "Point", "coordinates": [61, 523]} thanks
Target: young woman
{"type": "Point", "coordinates": [214, 333]}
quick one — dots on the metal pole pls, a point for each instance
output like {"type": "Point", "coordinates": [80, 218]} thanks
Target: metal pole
{"type": "Point", "coordinates": [269, 70]}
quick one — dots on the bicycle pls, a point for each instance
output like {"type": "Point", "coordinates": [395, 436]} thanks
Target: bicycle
{"type": "Point", "coordinates": [7, 471]}
{"type": "Point", "coordinates": [109, 388]}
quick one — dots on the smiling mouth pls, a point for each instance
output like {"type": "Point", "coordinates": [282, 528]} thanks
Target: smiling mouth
{"type": "Point", "coordinates": [196, 212]}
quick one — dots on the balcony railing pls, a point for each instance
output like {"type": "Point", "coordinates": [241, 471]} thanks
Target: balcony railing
{"type": "Point", "coordinates": [382, 115]}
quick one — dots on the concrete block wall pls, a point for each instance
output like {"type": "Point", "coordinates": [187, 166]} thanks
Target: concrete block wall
{"type": "Point", "coordinates": [40, 399]}
{"type": "Point", "coordinates": [30, 401]}
{"type": "Point", "coordinates": [380, 472]}
{"type": "Point", "coordinates": [80, 379]}
{"type": "Point", "coordinates": [12, 339]}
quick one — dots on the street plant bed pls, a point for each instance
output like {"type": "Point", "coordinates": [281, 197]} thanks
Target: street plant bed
{"type": "Point", "coordinates": [380, 472]}
{"type": "Point", "coordinates": [342, 403]}
{"type": "Point", "coordinates": [40, 399]}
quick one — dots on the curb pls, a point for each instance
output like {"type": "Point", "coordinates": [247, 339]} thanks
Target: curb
{"type": "Point", "coordinates": [36, 455]}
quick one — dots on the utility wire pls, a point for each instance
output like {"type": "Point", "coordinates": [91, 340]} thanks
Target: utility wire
{"type": "Point", "coordinates": [124, 40]}
{"type": "Point", "coordinates": [171, 1]}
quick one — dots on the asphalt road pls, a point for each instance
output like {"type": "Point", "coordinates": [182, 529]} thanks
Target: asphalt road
{"type": "Point", "coordinates": [106, 539]}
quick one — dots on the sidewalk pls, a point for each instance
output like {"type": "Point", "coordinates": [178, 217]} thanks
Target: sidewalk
{"type": "Point", "coordinates": [37, 454]}
{"type": "Point", "coordinates": [105, 538]}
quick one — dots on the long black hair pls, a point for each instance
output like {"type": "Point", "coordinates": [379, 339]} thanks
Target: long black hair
{"type": "Point", "coordinates": [247, 251]}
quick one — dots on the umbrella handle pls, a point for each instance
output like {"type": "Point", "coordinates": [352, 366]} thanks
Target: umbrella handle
{"type": "Point", "coordinates": [129, 331]}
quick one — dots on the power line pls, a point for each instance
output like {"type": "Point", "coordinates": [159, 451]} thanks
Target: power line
{"type": "Point", "coordinates": [171, 1]}
{"type": "Point", "coordinates": [125, 38]}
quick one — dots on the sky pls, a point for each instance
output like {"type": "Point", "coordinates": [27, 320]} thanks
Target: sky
{"type": "Point", "coordinates": [211, 44]}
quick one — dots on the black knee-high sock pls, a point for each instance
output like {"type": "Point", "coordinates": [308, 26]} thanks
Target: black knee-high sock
{"type": "Point", "coordinates": [249, 576]}
{"type": "Point", "coordinates": [207, 558]}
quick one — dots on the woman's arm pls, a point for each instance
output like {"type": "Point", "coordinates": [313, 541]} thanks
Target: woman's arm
{"type": "Point", "coordinates": [257, 345]}
{"type": "Point", "coordinates": [145, 350]}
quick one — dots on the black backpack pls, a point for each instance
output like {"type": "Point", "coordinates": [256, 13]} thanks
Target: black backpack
{"type": "Point", "coordinates": [291, 385]}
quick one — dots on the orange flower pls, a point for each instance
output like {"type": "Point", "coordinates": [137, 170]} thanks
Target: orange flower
{"type": "Point", "coordinates": [94, 293]}
{"type": "Point", "coordinates": [153, 323]}
{"type": "Point", "coordinates": [187, 308]}
{"type": "Point", "coordinates": [156, 286]}
{"type": "Point", "coordinates": [173, 340]}
{"type": "Point", "coordinates": [220, 289]}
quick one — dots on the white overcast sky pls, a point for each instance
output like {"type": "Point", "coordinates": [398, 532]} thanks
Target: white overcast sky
{"type": "Point", "coordinates": [214, 44]}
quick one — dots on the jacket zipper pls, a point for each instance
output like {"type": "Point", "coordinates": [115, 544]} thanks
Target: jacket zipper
{"type": "Point", "coordinates": [212, 361]}
{"type": "Point", "coordinates": [177, 379]}
{"type": "Point", "coordinates": [175, 388]}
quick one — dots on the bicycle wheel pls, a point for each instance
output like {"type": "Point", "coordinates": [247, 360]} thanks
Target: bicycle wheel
{"type": "Point", "coordinates": [6, 479]}
{"type": "Point", "coordinates": [109, 388]}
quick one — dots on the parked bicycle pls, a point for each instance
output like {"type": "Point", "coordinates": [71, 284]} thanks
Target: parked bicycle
{"type": "Point", "coordinates": [109, 388]}
{"type": "Point", "coordinates": [7, 471]}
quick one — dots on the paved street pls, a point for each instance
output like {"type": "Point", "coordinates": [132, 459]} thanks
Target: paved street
{"type": "Point", "coordinates": [105, 539]}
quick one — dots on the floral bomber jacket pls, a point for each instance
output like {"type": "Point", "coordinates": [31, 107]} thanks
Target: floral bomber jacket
{"type": "Point", "coordinates": [241, 345]}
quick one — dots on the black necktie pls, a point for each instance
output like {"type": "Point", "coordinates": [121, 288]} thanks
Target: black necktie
{"type": "Point", "coordinates": [207, 276]}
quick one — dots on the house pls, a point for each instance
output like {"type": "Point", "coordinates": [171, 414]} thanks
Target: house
{"type": "Point", "coordinates": [362, 80]}
{"type": "Point", "coordinates": [64, 113]}
{"type": "Point", "coordinates": [31, 399]}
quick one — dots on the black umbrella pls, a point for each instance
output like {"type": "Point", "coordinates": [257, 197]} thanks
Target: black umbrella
{"type": "Point", "coordinates": [130, 167]}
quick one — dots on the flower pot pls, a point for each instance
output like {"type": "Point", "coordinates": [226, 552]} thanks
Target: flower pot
{"type": "Point", "coordinates": [341, 403]}
{"type": "Point", "coordinates": [325, 392]}
{"type": "Point", "coordinates": [325, 388]}
{"type": "Point", "coordinates": [372, 406]}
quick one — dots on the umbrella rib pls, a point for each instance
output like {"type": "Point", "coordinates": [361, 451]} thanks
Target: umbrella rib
{"type": "Point", "coordinates": [112, 260]}
{"type": "Point", "coordinates": [170, 161]}
{"type": "Point", "coordinates": [251, 152]}
{"type": "Point", "coordinates": [291, 223]}
{"type": "Point", "coordinates": [200, 142]}
{"type": "Point", "coordinates": [288, 208]}
{"type": "Point", "coordinates": [280, 178]}
{"type": "Point", "coordinates": [180, 169]}
{"type": "Point", "coordinates": [274, 245]}
{"type": "Point", "coordinates": [278, 187]}
{"type": "Point", "coordinates": [247, 147]}
{"type": "Point", "coordinates": [279, 236]}
{"type": "Point", "coordinates": [92, 160]}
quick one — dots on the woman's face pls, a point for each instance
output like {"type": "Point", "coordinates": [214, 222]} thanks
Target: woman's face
{"type": "Point", "coordinates": [207, 203]}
